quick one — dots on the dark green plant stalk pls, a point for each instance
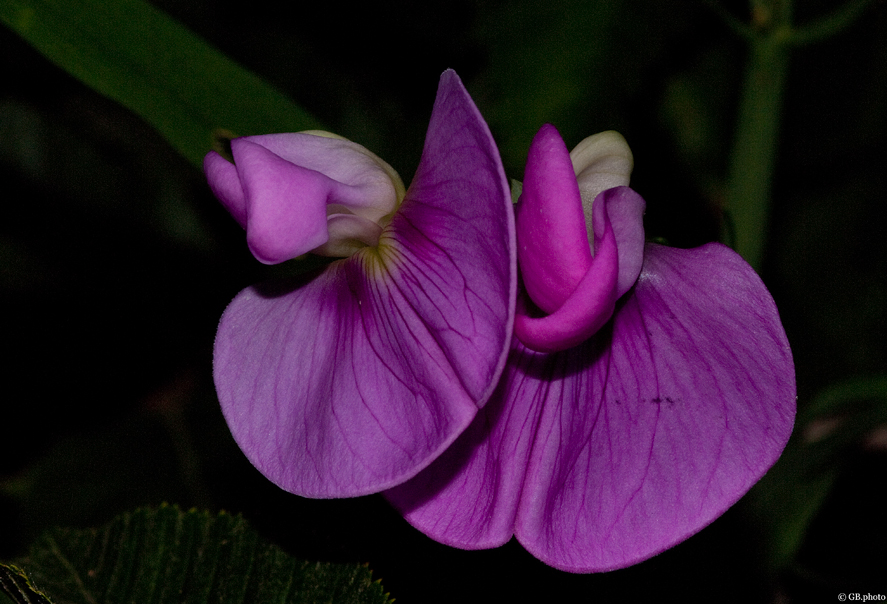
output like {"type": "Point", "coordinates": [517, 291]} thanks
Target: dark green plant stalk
{"type": "Point", "coordinates": [771, 38]}
{"type": "Point", "coordinates": [754, 150]}
{"type": "Point", "coordinates": [755, 141]}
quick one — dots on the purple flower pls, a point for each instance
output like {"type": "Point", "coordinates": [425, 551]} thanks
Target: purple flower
{"type": "Point", "coordinates": [353, 379]}
{"type": "Point", "coordinates": [647, 389]}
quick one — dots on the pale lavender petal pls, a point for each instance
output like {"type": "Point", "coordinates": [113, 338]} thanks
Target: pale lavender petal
{"type": "Point", "coordinates": [655, 426]}
{"type": "Point", "coordinates": [376, 187]}
{"type": "Point", "coordinates": [354, 380]}
{"type": "Point", "coordinates": [286, 204]}
{"type": "Point", "coordinates": [283, 188]}
{"type": "Point", "coordinates": [225, 185]}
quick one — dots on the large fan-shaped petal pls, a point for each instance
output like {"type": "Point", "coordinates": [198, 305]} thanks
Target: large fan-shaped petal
{"type": "Point", "coordinates": [654, 427]}
{"type": "Point", "coordinates": [605, 454]}
{"type": "Point", "coordinates": [354, 380]}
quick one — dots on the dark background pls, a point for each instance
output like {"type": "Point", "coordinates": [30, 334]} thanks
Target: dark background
{"type": "Point", "coordinates": [116, 262]}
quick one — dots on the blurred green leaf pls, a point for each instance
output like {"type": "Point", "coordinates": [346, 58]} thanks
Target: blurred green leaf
{"type": "Point", "coordinates": [788, 497]}
{"type": "Point", "coordinates": [550, 66]}
{"type": "Point", "coordinates": [851, 396]}
{"type": "Point", "coordinates": [92, 475]}
{"type": "Point", "coordinates": [168, 556]}
{"type": "Point", "coordinates": [148, 62]}
{"type": "Point", "coordinates": [15, 583]}
{"type": "Point", "coordinates": [837, 422]}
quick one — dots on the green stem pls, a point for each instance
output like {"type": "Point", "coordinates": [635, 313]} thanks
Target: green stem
{"type": "Point", "coordinates": [754, 150]}
{"type": "Point", "coordinates": [771, 37]}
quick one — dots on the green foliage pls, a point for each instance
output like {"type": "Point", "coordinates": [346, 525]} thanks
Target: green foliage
{"type": "Point", "coordinates": [851, 398]}
{"type": "Point", "coordinates": [168, 556]}
{"type": "Point", "coordinates": [86, 478]}
{"type": "Point", "coordinates": [138, 56]}
{"type": "Point", "coordinates": [16, 583]}
{"type": "Point", "coordinates": [551, 66]}
{"type": "Point", "coordinates": [837, 422]}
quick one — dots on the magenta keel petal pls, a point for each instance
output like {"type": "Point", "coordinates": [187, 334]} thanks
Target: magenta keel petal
{"type": "Point", "coordinates": [574, 291]}
{"type": "Point", "coordinates": [554, 252]}
{"type": "Point", "coordinates": [588, 306]}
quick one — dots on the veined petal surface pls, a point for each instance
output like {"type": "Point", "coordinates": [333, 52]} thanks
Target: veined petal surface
{"type": "Point", "coordinates": [469, 496]}
{"type": "Point", "coordinates": [353, 380]}
{"type": "Point", "coordinates": [654, 427]}
{"type": "Point", "coordinates": [605, 454]}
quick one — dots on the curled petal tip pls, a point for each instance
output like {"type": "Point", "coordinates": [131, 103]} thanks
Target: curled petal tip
{"type": "Point", "coordinates": [601, 161]}
{"type": "Point", "coordinates": [576, 291]}
{"type": "Point", "coordinates": [225, 185]}
{"type": "Point", "coordinates": [589, 306]}
{"type": "Point", "coordinates": [283, 187]}
{"type": "Point", "coordinates": [554, 252]}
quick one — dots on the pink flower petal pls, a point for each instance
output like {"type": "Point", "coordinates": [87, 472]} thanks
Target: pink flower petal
{"type": "Point", "coordinates": [353, 380]}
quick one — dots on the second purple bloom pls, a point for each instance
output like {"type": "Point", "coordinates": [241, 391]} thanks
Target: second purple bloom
{"type": "Point", "coordinates": [647, 388]}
